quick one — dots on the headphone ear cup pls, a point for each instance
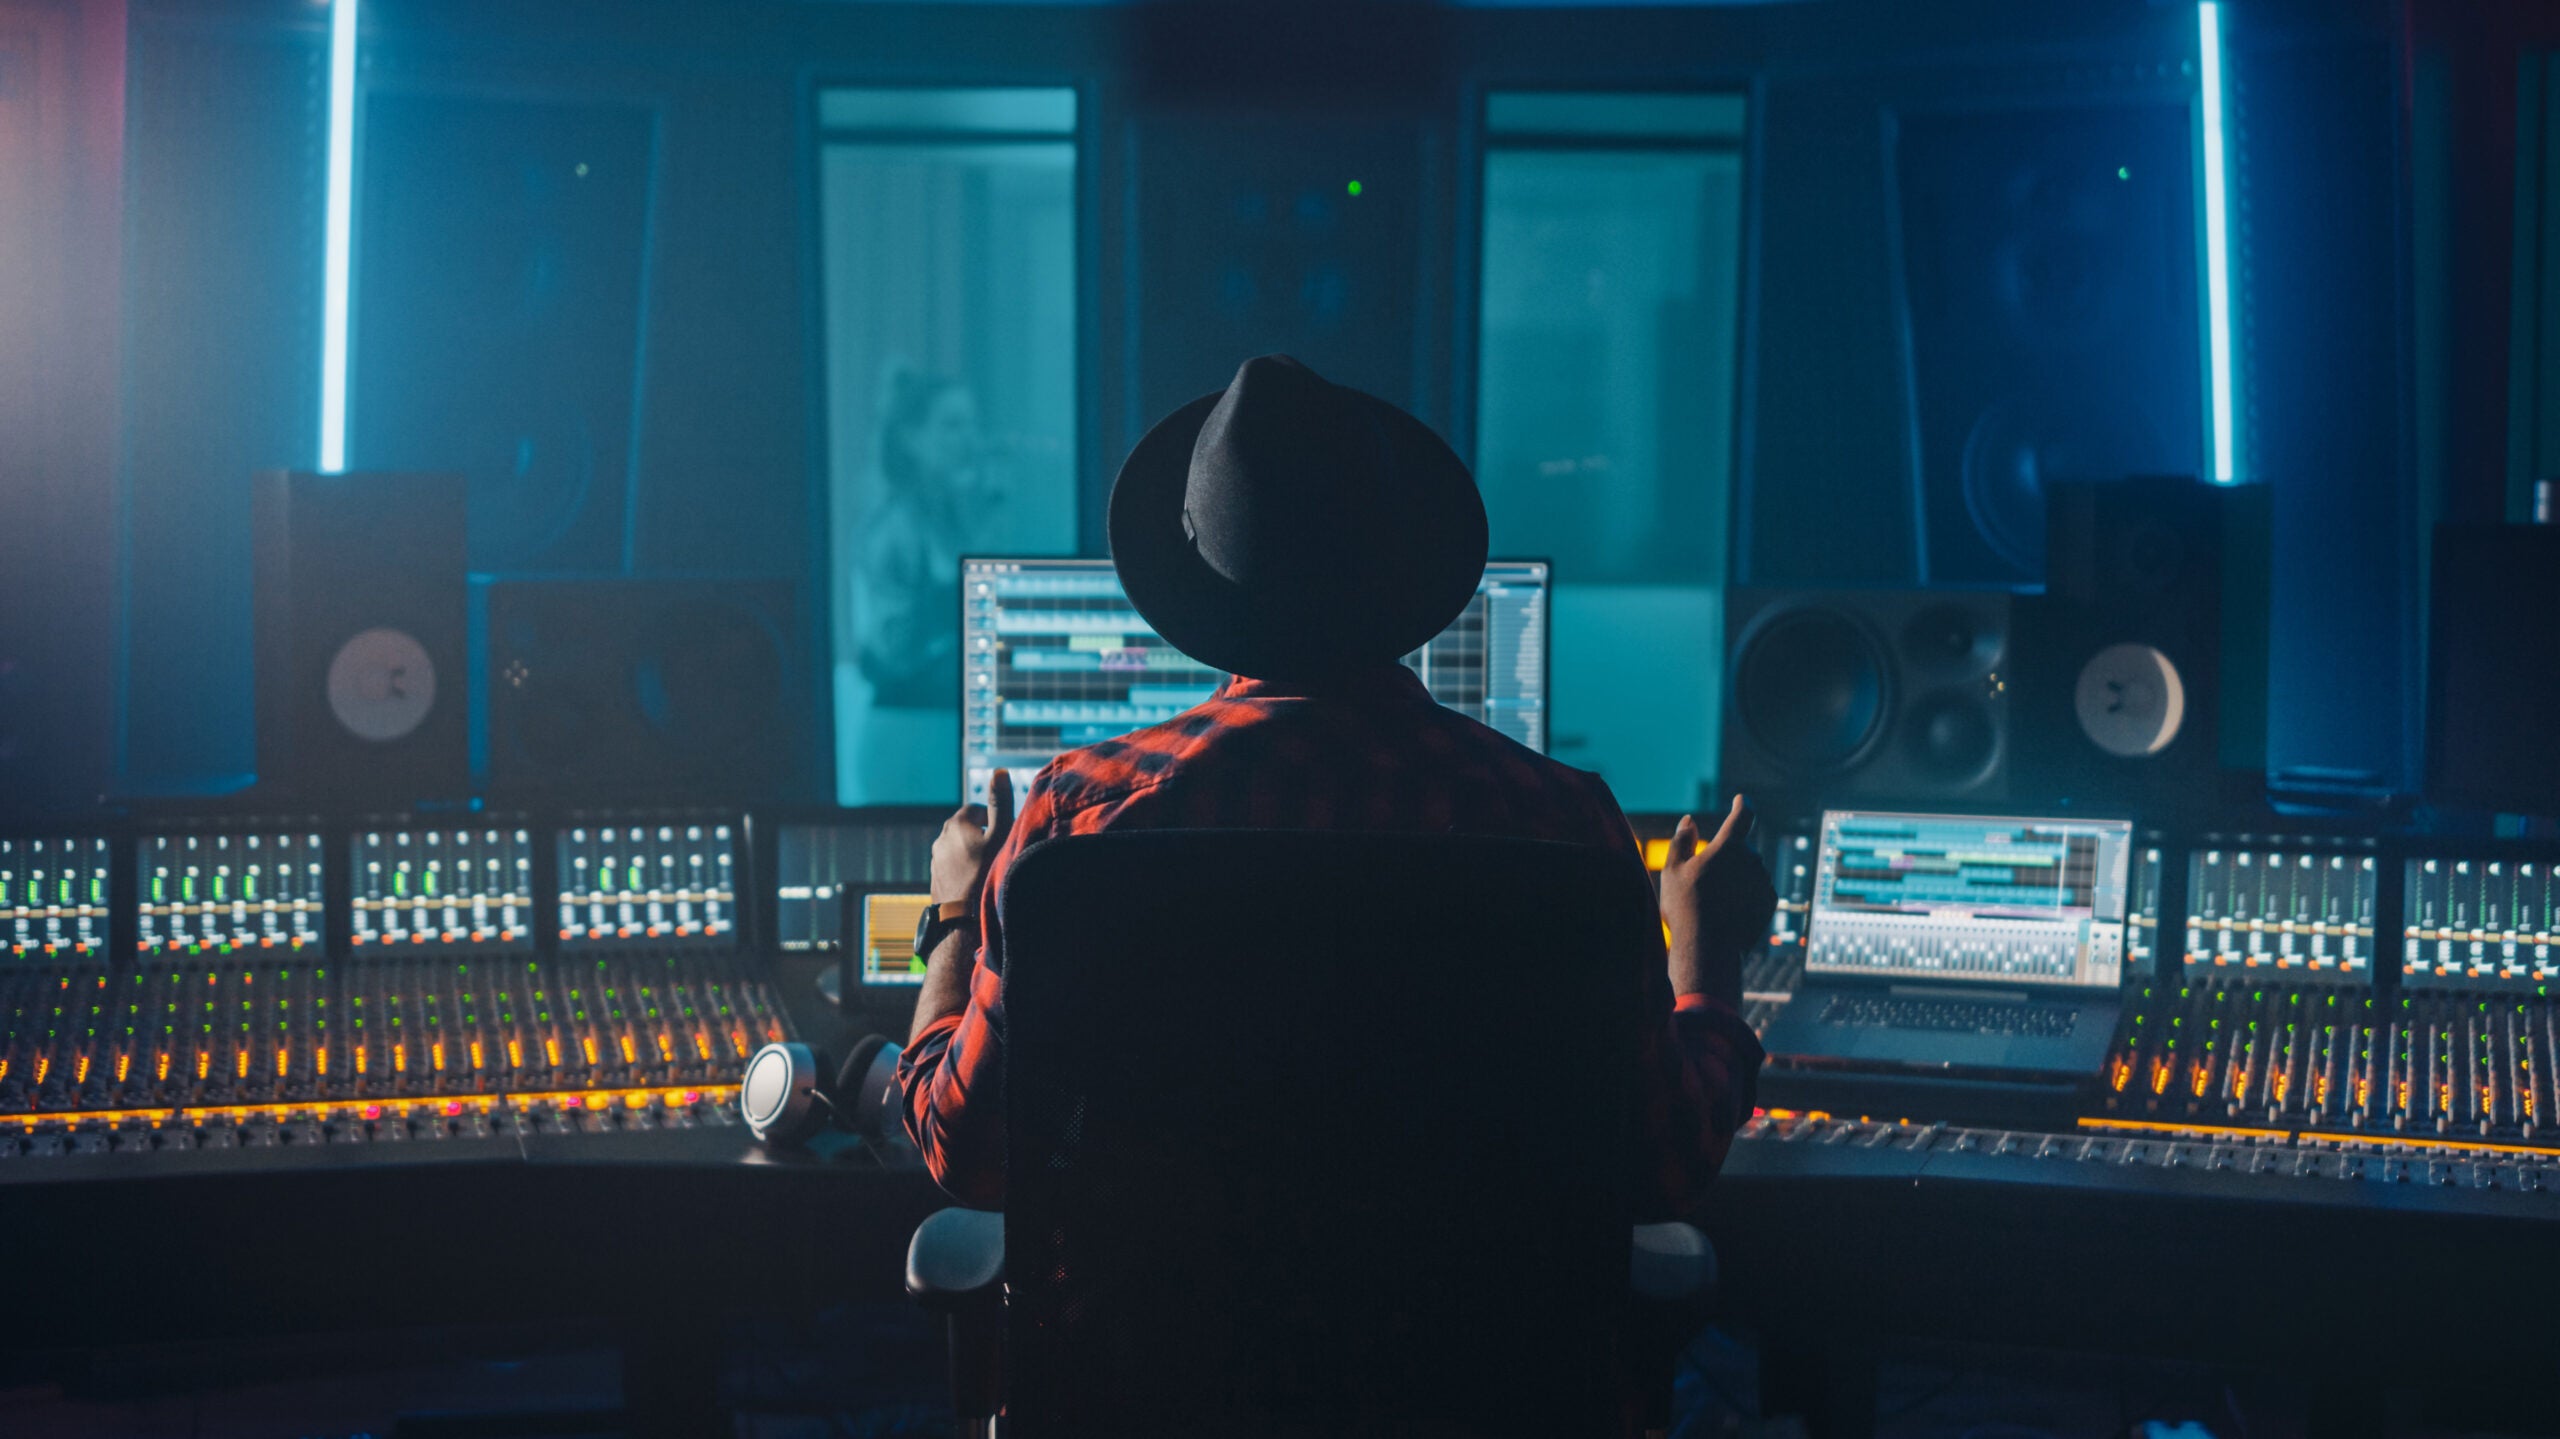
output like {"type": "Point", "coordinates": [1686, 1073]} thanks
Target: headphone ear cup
{"type": "Point", "coordinates": [866, 1087]}
{"type": "Point", "coordinates": [780, 1097]}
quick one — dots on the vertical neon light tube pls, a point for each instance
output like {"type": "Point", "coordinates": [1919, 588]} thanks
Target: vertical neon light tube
{"type": "Point", "coordinates": [341, 224]}
{"type": "Point", "coordinates": [2217, 259]}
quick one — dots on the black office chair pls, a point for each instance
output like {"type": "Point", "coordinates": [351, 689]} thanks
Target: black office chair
{"type": "Point", "coordinates": [1318, 1134]}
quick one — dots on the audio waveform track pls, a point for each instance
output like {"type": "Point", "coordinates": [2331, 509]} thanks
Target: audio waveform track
{"type": "Point", "coordinates": [1903, 865]}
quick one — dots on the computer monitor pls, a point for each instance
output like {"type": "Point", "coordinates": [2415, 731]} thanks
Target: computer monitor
{"type": "Point", "coordinates": [1053, 657]}
{"type": "Point", "coordinates": [1970, 898]}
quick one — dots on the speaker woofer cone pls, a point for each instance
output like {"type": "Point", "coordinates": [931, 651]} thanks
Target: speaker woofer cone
{"type": "Point", "coordinates": [1813, 689]}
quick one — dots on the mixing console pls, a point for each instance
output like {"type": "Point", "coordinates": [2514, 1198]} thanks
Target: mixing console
{"type": "Point", "coordinates": [2142, 913]}
{"type": "Point", "coordinates": [2226, 1049]}
{"type": "Point", "coordinates": [2268, 1161]}
{"type": "Point", "coordinates": [814, 863]}
{"type": "Point", "coordinates": [620, 884]}
{"type": "Point", "coordinates": [2480, 923]}
{"type": "Point", "coordinates": [272, 999]}
{"type": "Point", "coordinates": [196, 1032]}
{"type": "Point", "coordinates": [450, 888]}
{"type": "Point", "coordinates": [53, 896]}
{"type": "Point", "coordinates": [2276, 1019]}
{"type": "Point", "coordinates": [230, 892]}
{"type": "Point", "coordinates": [2285, 911]}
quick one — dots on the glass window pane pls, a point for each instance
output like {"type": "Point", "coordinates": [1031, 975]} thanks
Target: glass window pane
{"type": "Point", "coordinates": [1605, 438]}
{"type": "Point", "coordinates": [998, 112]}
{"type": "Point", "coordinates": [949, 287]}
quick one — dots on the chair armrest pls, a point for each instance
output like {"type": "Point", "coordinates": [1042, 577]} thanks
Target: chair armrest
{"type": "Point", "coordinates": [1667, 1262]}
{"type": "Point", "coordinates": [956, 1258]}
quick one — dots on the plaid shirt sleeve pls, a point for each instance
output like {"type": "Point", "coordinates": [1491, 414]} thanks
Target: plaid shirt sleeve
{"type": "Point", "coordinates": [951, 1077]}
{"type": "Point", "coordinates": [1698, 1070]}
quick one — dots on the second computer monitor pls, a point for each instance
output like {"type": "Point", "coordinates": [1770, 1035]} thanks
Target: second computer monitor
{"type": "Point", "coordinates": [1054, 657]}
{"type": "Point", "coordinates": [1971, 897]}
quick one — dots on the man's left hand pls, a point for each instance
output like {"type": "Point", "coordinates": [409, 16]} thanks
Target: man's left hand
{"type": "Point", "coordinates": [961, 853]}
{"type": "Point", "coordinates": [969, 841]}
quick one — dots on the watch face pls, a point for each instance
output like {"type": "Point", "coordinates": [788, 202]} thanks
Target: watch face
{"type": "Point", "coordinates": [382, 685]}
{"type": "Point", "coordinates": [924, 930]}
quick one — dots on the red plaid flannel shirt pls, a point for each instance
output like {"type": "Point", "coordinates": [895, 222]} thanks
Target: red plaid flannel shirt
{"type": "Point", "coordinates": [1375, 754]}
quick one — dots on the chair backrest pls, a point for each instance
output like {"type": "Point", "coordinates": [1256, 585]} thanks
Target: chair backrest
{"type": "Point", "coordinates": [1319, 1133]}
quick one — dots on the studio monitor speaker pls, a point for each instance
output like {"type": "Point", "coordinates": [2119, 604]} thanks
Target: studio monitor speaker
{"type": "Point", "coordinates": [360, 608]}
{"type": "Point", "coordinates": [504, 290]}
{"type": "Point", "coordinates": [2120, 695]}
{"type": "Point", "coordinates": [613, 689]}
{"type": "Point", "coordinates": [1866, 695]}
{"type": "Point", "coordinates": [2049, 301]}
{"type": "Point", "coordinates": [2493, 668]}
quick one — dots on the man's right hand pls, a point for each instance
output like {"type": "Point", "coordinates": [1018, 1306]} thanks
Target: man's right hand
{"type": "Point", "coordinates": [1717, 902]}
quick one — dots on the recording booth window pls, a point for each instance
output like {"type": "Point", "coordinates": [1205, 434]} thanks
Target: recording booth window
{"type": "Point", "coordinates": [947, 222]}
{"type": "Point", "coordinates": [1606, 370]}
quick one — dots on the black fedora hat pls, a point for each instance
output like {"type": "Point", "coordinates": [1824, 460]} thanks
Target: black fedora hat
{"type": "Point", "coordinates": [1291, 528]}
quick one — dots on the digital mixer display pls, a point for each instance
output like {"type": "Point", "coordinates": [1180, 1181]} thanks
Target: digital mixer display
{"type": "Point", "coordinates": [1970, 898]}
{"type": "Point", "coordinates": [643, 883]}
{"type": "Point", "coordinates": [1055, 658]}
{"type": "Point", "coordinates": [53, 896]}
{"type": "Point", "coordinates": [2480, 923]}
{"type": "Point", "coordinates": [227, 893]}
{"type": "Point", "coordinates": [2296, 911]}
{"type": "Point", "coordinates": [451, 888]}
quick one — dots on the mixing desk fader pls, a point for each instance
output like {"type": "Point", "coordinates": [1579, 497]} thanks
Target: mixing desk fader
{"type": "Point", "coordinates": [383, 984]}
{"type": "Point", "coordinates": [2271, 1017]}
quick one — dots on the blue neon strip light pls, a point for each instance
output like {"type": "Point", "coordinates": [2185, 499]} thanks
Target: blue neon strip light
{"type": "Point", "coordinates": [342, 184]}
{"type": "Point", "coordinates": [2217, 260]}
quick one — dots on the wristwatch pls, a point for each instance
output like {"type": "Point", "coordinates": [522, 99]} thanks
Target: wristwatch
{"type": "Point", "coordinates": [939, 920]}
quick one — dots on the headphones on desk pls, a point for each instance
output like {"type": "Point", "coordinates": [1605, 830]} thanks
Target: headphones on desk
{"type": "Point", "coordinates": [794, 1092]}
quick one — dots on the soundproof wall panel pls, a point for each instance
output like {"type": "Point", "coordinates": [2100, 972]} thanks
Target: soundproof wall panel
{"type": "Point", "coordinates": [226, 155]}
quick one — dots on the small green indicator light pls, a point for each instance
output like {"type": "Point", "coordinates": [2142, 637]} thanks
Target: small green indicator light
{"type": "Point", "coordinates": [2124, 172]}
{"type": "Point", "coordinates": [1352, 189]}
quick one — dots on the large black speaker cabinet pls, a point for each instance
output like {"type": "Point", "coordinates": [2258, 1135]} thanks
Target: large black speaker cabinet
{"type": "Point", "coordinates": [2049, 291]}
{"type": "Point", "coordinates": [501, 289]}
{"type": "Point", "coordinates": [611, 689]}
{"type": "Point", "coordinates": [1865, 695]}
{"type": "Point", "coordinates": [2493, 669]}
{"type": "Point", "coordinates": [360, 606]}
{"type": "Point", "coordinates": [2119, 691]}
